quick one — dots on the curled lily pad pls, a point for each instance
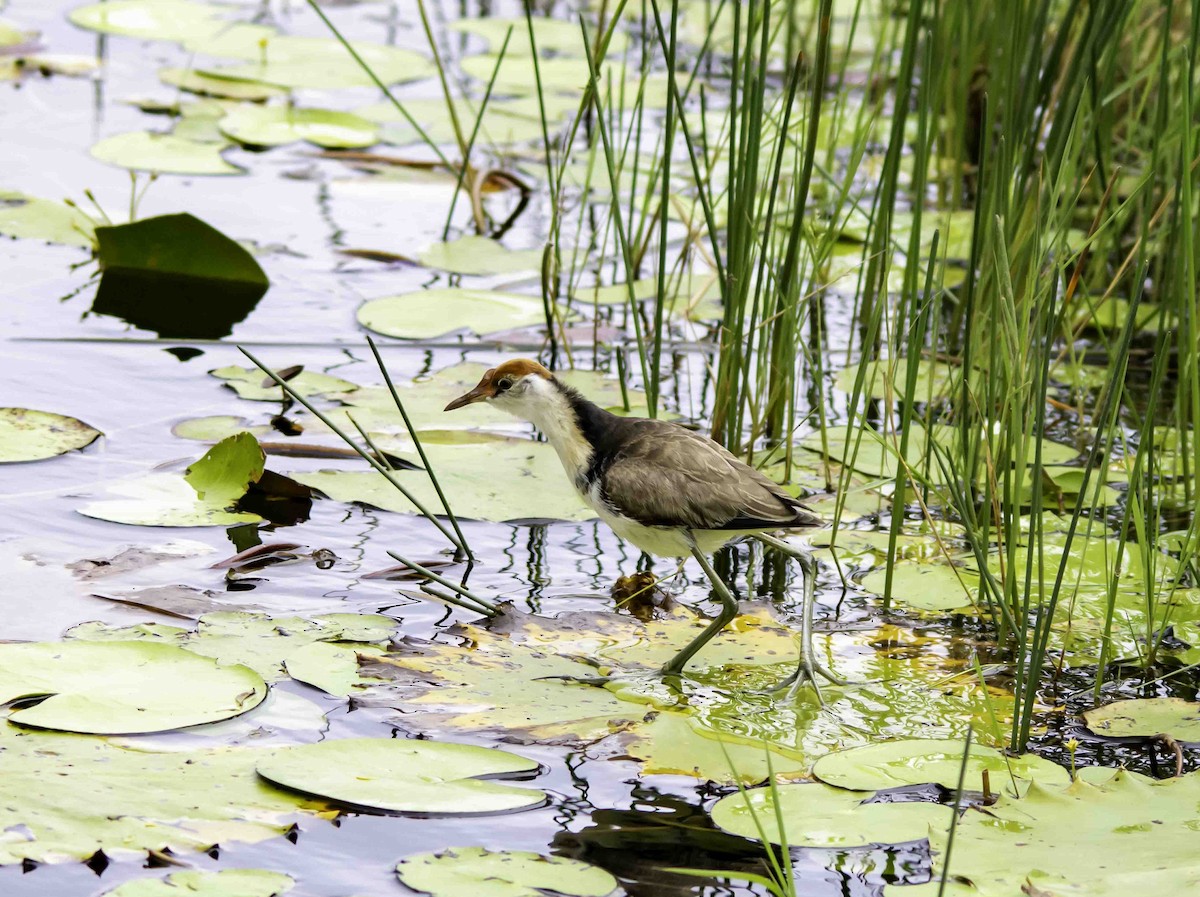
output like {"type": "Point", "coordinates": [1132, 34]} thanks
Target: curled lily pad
{"type": "Point", "coordinates": [163, 153]}
{"type": "Point", "coordinates": [1147, 717]}
{"type": "Point", "coordinates": [29, 435]}
{"type": "Point", "coordinates": [277, 125]}
{"type": "Point", "coordinates": [403, 776]}
{"type": "Point", "coordinates": [919, 761]}
{"type": "Point", "coordinates": [30, 218]}
{"type": "Point", "coordinates": [426, 314]}
{"type": "Point", "coordinates": [476, 872]}
{"type": "Point", "coordinates": [122, 687]}
{"type": "Point", "coordinates": [193, 883]}
{"type": "Point", "coordinates": [817, 815]}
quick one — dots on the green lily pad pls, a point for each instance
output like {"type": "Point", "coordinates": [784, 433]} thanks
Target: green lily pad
{"type": "Point", "coordinates": [403, 776]}
{"type": "Point", "coordinates": [216, 427]}
{"type": "Point", "coordinates": [29, 435]}
{"type": "Point", "coordinates": [122, 687]}
{"type": "Point", "coordinates": [248, 383]}
{"type": "Point", "coordinates": [72, 795]}
{"type": "Point", "coordinates": [817, 815]}
{"type": "Point", "coordinates": [260, 642]}
{"type": "Point", "coordinates": [30, 218]}
{"type": "Point", "coordinates": [476, 872]}
{"type": "Point", "coordinates": [277, 125]}
{"type": "Point", "coordinates": [1128, 836]}
{"type": "Point", "coordinates": [192, 883]}
{"type": "Point", "coordinates": [177, 247]}
{"type": "Point", "coordinates": [426, 314]}
{"type": "Point", "coordinates": [227, 469]}
{"type": "Point", "coordinates": [694, 297]}
{"type": "Point", "coordinates": [534, 487]}
{"type": "Point", "coordinates": [1147, 717]}
{"type": "Point", "coordinates": [333, 668]}
{"type": "Point", "coordinates": [474, 254]}
{"type": "Point", "coordinates": [887, 379]}
{"type": "Point", "coordinates": [215, 84]}
{"type": "Point", "coordinates": [558, 37]}
{"type": "Point", "coordinates": [163, 499]}
{"type": "Point", "coordinates": [150, 19]}
{"type": "Point", "coordinates": [311, 62]}
{"type": "Point", "coordinates": [926, 586]}
{"type": "Point", "coordinates": [920, 761]}
{"type": "Point", "coordinates": [164, 154]}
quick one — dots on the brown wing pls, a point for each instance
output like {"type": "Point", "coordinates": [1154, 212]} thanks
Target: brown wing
{"type": "Point", "coordinates": [664, 475]}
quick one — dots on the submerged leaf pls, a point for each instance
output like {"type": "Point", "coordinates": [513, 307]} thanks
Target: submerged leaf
{"type": "Point", "coordinates": [476, 872]}
{"type": "Point", "coordinates": [122, 687]}
{"type": "Point", "coordinates": [403, 776]}
{"type": "Point", "coordinates": [29, 435]}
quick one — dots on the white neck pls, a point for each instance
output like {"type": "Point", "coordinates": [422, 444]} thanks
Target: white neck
{"type": "Point", "coordinates": [548, 410]}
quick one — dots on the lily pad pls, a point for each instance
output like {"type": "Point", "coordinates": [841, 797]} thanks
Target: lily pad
{"type": "Point", "coordinates": [31, 218]}
{"type": "Point", "coordinates": [227, 469]}
{"type": "Point", "coordinates": [71, 795]}
{"type": "Point", "coordinates": [248, 383]}
{"type": "Point", "coordinates": [426, 314]}
{"type": "Point", "coordinates": [333, 668]}
{"type": "Point", "coordinates": [560, 37]}
{"type": "Point", "coordinates": [192, 883]}
{"type": "Point", "coordinates": [122, 687]}
{"type": "Point", "coordinates": [311, 62]}
{"type": "Point", "coordinates": [29, 435]}
{"type": "Point", "coordinates": [926, 586]}
{"type": "Point", "coordinates": [1147, 717]}
{"type": "Point", "coordinates": [150, 19]}
{"type": "Point", "coordinates": [277, 125]}
{"type": "Point", "coordinates": [817, 815]}
{"type": "Point", "coordinates": [476, 872]}
{"type": "Point", "coordinates": [164, 154]}
{"type": "Point", "coordinates": [474, 254]}
{"type": "Point", "coordinates": [215, 84]}
{"type": "Point", "coordinates": [404, 776]}
{"type": "Point", "coordinates": [163, 499]}
{"type": "Point", "coordinates": [920, 761]}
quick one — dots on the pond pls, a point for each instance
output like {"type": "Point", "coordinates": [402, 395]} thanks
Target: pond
{"type": "Point", "coordinates": [211, 668]}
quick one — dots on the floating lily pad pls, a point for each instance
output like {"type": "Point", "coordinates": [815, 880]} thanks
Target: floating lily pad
{"type": "Point", "coordinates": [1147, 717]}
{"type": "Point", "coordinates": [404, 776]}
{"type": "Point", "coordinates": [1128, 836]}
{"type": "Point", "coordinates": [216, 427]}
{"type": "Point", "coordinates": [192, 883]}
{"type": "Point", "coordinates": [333, 668]}
{"type": "Point", "coordinates": [215, 84]}
{"type": "Point", "coordinates": [920, 761]}
{"type": "Point", "coordinates": [311, 62]}
{"type": "Point", "coordinates": [476, 872]}
{"type": "Point", "coordinates": [888, 379]}
{"type": "Point", "coordinates": [70, 796]}
{"type": "Point", "coordinates": [277, 125]}
{"type": "Point", "coordinates": [817, 815]}
{"type": "Point", "coordinates": [926, 586]}
{"type": "Point", "coordinates": [248, 383]}
{"type": "Point", "coordinates": [30, 218]}
{"type": "Point", "coordinates": [150, 19]}
{"type": "Point", "coordinates": [426, 314]}
{"type": "Point", "coordinates": [560, 37]}
{"type": "Point", "coordinates": [29, 435]}
{"type": "Point", "coordinates": [163, 153]}
{"type": "Point", "coordinates": [227, 469]}
{"type": "Point", "coordinates": [163, 499]}
{"type": "Point", "coordinates": [479, 255]}
{"type": "Point", "coordinates": [534, 487]}
{"type": "Point", "coordinates": [122, 687]}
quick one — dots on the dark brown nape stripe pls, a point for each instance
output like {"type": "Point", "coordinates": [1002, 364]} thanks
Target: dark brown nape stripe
{"type": "Point", "coordinates": [603, 430]}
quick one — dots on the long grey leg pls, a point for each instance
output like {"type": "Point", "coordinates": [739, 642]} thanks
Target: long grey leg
{"type": "Point", "coordinates": [729, 609]}
{"type": "Point", "coordinates": [809, 667]}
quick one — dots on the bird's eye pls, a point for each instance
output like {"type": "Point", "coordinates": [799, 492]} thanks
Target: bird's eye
{"type": "Point", "coordinates": [503, 383]}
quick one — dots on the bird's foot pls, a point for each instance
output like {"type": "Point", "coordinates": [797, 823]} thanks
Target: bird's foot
{"type": "Point", "coordinates": [808, 673]}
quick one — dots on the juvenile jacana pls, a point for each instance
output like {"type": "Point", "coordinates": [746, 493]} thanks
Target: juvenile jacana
{"type": "Point", "coordinates": [669, 491]}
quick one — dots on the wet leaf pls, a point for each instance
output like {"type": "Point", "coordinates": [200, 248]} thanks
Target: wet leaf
{"type": "Point", "coordinates": [227, 469]}
{"type": "Point", "coordinates": [122, 687]}
{"type": "Point", "coordinates": [817, 815]}
{"type": "Point", "coordinates": [476, 872]}
{"type": "Point", "coordinates": [72, 795]}
{"type": "Point", "coordinates": [277, 125]}
{"type": "Point", "coordinates": [426, 314]}
{"type": "Point", "coordinates": [163, 153]}
{"type": "Point", "coordinates": [31, 218]}
{"type": "Point", "coordinates": [920, 761]}
{"type": "Point", "coordinates": [192, 883]}
{"type": "Point", "coordinates": [1147, 717]}
{"type": "Point", "coordinates": [474, 254]}
{"type": "Point", "coordinates": [403, 776]}
{"type": "Point", "coordinates": [29, 435]}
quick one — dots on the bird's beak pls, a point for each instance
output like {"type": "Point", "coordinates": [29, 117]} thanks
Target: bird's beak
{"type": "Point", "coordinates": [478, 394]}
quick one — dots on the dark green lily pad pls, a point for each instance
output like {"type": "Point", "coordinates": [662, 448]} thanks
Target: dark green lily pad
{"type": "Point", "coordinates": [476, 872]}
{"type": "Point", "coordinates": [404, 776]}
{"type": "Point", "coordinates": [116, 688]}
{"type": "Point", "coordinates": [29, 435]}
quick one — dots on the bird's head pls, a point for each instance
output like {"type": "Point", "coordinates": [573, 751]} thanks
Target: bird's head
{"type": "Point", "coordinates": [518, 387]}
